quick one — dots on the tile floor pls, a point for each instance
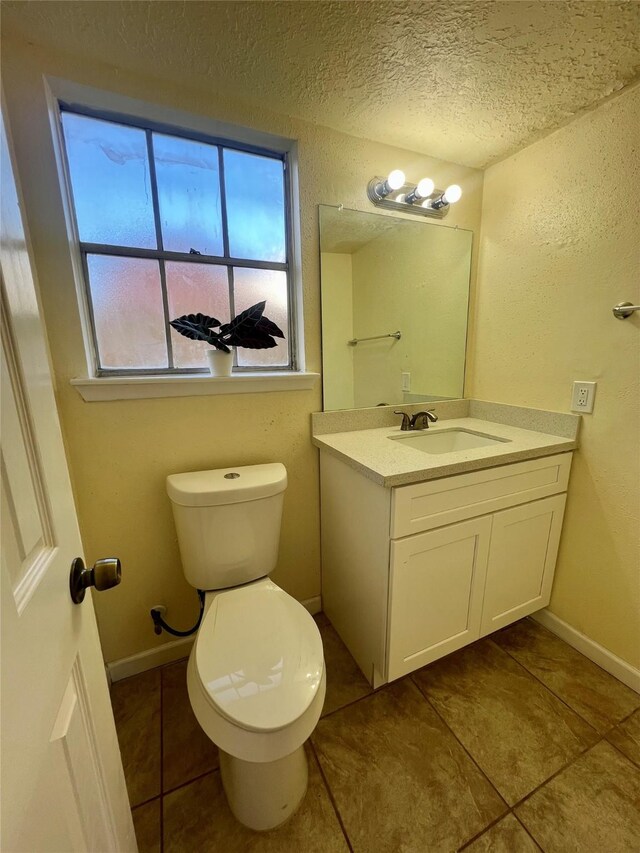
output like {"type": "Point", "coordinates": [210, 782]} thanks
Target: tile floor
{"type": "Point", "coordinates": [516, 743]}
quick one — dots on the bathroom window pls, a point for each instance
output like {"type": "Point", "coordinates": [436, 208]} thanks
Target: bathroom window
{"type": "Point", "coordinates": [169, 224]}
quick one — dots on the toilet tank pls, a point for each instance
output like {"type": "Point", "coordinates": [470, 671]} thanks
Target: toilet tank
{"type": "Point", "coordinates": [228, 523]}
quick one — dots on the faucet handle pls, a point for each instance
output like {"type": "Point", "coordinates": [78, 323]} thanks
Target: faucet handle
{"type": "Point", "coordinates": [406, 421]}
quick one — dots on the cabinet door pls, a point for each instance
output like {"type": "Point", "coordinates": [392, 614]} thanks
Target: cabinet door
{"type": "Point", "coordinates": [436, 586]}
{"type": "Point", "coordinates": [522, 561]}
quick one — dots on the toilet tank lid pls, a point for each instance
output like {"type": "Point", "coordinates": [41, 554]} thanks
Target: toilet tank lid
{"type": "Point", "coordinates": [227, 485]}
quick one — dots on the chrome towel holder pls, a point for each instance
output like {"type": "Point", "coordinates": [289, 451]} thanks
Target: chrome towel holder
{"type": "Point", "coordinates": [624, 309]}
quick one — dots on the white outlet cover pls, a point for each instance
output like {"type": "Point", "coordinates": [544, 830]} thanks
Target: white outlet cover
{"type": "Point", "coordinates": [583, 397]}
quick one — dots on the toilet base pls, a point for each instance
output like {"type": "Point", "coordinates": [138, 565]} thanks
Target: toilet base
{"type": "Point", "coordinates": [264, 795]}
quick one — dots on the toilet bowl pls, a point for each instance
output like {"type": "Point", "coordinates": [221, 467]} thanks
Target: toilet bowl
{"type": "Point", "coordinates": [256, 676]}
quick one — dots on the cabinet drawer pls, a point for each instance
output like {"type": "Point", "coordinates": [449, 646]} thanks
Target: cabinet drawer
{"type": "Point", "coordinates": [424, 506]}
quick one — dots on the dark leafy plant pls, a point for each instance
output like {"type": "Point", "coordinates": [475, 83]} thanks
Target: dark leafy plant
{"type": "Point", "coordinates": [250, 329]}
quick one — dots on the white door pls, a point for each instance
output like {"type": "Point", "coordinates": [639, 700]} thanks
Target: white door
{"type": "Point", "coordinates": [522, 561]}
{"type": "Point", "coordinates": [437, 580]}
{"type": "Point", "coordinates": [63, 788]}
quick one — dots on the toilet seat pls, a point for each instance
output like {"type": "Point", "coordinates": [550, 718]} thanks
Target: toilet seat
{"type": "Point", "coordinates": [259, 656]}
{"type": "Point", "coordinates": [301, 696]}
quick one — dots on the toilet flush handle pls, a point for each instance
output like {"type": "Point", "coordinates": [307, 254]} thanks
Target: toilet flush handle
{"type": "Point", "coordinates": [104, 574]}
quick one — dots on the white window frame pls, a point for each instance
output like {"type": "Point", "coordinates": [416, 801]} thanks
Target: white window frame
{"type": "Point", "coordinates": [94, 387]}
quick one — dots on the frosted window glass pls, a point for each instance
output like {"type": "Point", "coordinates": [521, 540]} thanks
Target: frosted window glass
{"type": "Point", "coordinates": [254, 189]}
{"type": "Point", "coordinates": [109, 173]}
{"type": "Point", "coordinates": [127, 308]}
{"type": "Point", "coordinates": [189, 195]}
{"type": "Point", "coordinates": [251, 286]}
{"type": "Point", "coordinates": [195, 289]}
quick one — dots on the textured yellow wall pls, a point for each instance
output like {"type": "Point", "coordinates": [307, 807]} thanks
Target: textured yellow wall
{"type": "Point", "coordinates": [120, 452]}
{"type": "Point", "coordinates": [560, 246]}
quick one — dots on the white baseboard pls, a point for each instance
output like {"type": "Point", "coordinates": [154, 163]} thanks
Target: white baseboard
{"type": "Point", "coordinates": [169, 652]}
{"type": "Point", "coordinates": [614, 665]}
{"type": "Point", "coordinates": [313, 605]}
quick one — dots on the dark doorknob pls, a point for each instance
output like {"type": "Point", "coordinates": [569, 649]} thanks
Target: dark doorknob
{"type": "Point", "coordinates": [104, 574]}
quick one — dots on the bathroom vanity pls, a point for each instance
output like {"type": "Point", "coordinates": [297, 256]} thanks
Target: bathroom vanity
{"type": "Point", "coordinates": [426, 550]}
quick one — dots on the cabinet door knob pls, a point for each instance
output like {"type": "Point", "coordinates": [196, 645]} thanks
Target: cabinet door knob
{"type": "Point", "coordinates": [104, 574]}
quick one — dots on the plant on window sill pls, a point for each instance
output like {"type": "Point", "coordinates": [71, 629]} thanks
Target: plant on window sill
{"type": "Point", "coordinates": [249, 329]}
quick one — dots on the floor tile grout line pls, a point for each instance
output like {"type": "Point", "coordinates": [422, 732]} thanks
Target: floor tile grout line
{"type": "Point", "coordinates": [355, 701]}
{"type": "Point", "coordinates": [482, 831]}
{"type": "Point", "coordinates": [564, 767]}
{"type": "Point", "coordinates": [636, 764]}
{"type": "Point", "coordinates": [372, 692]}
{"type": "Point", "coordinates": [546, 687]}
{"type": "Point", "coordinates": [189, 781]}
{"type": "Point", "coordinates": [330, 795]}
{"type": "Point", "coordinates": [528, 831]}
{"type": "Point", "coordinates": [463, 747]}
{"type": "Point", "coordinates": [625, 719]}
{"type": "Point", "coordinates": [145, 802]}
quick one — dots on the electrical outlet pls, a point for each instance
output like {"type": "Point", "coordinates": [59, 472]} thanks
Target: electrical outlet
{"type": "Point", "coordinates": [583, 397]}
{"type": "Point", "coordinates": [406, 382]}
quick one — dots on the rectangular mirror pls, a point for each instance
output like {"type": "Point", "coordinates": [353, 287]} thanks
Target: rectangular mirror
{"type": "Point", "coordinates": [403, 286]}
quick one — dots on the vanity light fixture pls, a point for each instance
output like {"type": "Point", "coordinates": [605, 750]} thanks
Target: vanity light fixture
{"type": "Point", "coordinates": [422, 198]}
{"type": "Point", "coordinates": [392, 182]}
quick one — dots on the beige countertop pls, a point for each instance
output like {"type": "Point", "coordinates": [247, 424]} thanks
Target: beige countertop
{"type": "Point", "coordinates": [390, 463]}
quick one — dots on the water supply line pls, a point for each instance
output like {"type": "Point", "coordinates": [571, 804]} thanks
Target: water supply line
{"type": "Point", "coordinates": [159, 625]}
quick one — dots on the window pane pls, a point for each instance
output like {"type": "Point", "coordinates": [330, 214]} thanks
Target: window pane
{"type": "Point", "coordinates": [188, 194]}
{"type": "Point", "coordinates": [193, 289]}
{"type": "Point", "coordinates": [110, 179]}
{"type": "Point", "coordinates": [254, 189]}
{"type": "Point", "coordinates": [251, 286]}
{"type": "Point", "coordinates": [127, 309]}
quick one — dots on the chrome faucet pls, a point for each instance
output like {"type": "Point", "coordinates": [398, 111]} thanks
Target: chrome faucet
{"type": "Point", "coordinates": [421, 420]}
{"type": "Point", "coordinates": [418, 421]}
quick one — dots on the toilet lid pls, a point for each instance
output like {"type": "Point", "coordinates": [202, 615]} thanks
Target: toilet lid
{"type": "Point", "coordinates": [259, 656]}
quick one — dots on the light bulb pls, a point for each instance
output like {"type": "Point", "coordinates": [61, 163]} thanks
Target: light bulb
{"type": "Point", "coordinates": [452, 194]}
{"type": "Point", "coordinates": [423, 190]}
{"type": "Point", "coordinates": [395, 179]}
{"type": "Point", "coordinates": [400, 198]}
{"type": "Point", "coordinates": [425, 187]}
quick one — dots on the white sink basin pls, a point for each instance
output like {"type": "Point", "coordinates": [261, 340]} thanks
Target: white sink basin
{"type": "Point", "coordinates": [446, 440]}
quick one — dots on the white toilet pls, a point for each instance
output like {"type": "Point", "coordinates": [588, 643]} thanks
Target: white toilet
{"type": "Point", "coordinates": [256, 675]}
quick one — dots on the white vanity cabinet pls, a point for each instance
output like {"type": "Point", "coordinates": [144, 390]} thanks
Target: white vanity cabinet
{"type": "Point", "coordinates": [413, 573]}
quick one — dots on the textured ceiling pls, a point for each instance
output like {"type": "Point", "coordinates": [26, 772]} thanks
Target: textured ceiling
{"type": "Point", "coordinates": [464, 81]}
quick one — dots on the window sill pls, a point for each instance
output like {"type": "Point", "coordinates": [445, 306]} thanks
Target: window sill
{"type": "Point", "coordinates": [145, 387]}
